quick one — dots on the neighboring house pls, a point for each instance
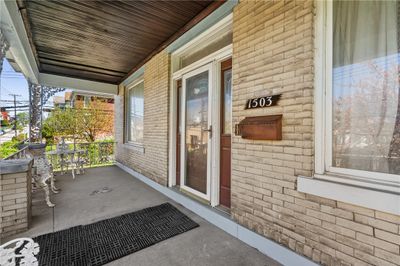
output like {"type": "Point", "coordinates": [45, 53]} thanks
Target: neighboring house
{"type": "Point", "coordinates": [4, 115]}
{"type": "Point", "coordinates": [297, 179]}
{"type": "Point", "coordinates": [59, 102]}
{"type": "Point", "coordinates": [73, 99]}
{"type": "Point", "coordinates": [82, 99]}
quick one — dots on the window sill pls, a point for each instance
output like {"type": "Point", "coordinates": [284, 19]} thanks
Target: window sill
{"type": "Point", "coordinates": [349, 193]}
{"type": "Point", "coordinates": [137, 148]}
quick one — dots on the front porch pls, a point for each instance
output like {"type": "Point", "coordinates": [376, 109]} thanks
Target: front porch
{"type": "Point", "coordinates": [78, 204]}
{"type": "Point", "coordinates": [185, 76]}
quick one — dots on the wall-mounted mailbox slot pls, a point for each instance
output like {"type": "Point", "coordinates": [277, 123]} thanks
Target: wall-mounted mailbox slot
{"type": "Point", "coordinates": [260, 127]}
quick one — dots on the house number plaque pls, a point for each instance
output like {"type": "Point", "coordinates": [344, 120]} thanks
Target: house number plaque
{"type": "Point", "coordinates": [265, 101]}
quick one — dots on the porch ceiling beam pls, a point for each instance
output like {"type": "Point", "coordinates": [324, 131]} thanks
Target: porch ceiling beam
{"type": "Point", "coordinates": [199, 17]}
{"type": "Point", "coordinates": [94, 87]}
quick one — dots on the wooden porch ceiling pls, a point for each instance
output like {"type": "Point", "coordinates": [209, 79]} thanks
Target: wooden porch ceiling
{"type": "Point", "coordinates": [105, 40]}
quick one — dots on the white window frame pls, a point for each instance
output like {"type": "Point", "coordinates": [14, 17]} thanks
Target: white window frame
{"type": "Point", "coordinates": [323, 114]}
{"type": "Point", "coordinates": [374, 190]}
{"type": "Point", "coordinates": [127, 117]}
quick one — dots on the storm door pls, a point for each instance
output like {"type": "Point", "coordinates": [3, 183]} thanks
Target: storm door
{"type": "Point", "coordinates": [196, 132]}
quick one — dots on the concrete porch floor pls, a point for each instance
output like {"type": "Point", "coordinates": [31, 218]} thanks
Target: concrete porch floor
{"type": "Point", "coordinates": [76, 204]}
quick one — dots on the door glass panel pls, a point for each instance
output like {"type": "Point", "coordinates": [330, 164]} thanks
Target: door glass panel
{"type": "Point", "coordinates": [196, 139]}
{"type": "Point", "coordinates": [227, 120]}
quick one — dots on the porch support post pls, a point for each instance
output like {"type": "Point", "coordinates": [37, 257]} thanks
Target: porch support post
{"type": "Point", "coordinates": [38, 96]}
{"type": "Point", "coordinates": [34, 112]}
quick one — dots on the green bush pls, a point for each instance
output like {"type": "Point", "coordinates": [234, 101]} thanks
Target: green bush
{"type": "Point", "coordinates": [20, 137]}
{"type": "Point", "coordinates": [48, 133]}
{"type": "Point", "coordinates": [8, 148]}
{"type": "Point", "coordinates": [5, 123]}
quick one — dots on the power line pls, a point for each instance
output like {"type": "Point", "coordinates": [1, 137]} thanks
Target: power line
{"type": "Point", "coordinates": [11, 101]}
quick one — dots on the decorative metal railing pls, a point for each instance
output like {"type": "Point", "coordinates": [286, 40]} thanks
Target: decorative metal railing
{"type": "Point", "coordinates": [17, 155]}
{"type": "Point", "coordinates": [94, 154]}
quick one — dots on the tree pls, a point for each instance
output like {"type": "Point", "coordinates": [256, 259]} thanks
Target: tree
{"type": "Point", "coordinates": [89, 123]}
{"type": "Point", "coordinates": [95, 120]}
{"type": "Point", "coordinates": [22, 120]}
{"type": "Point", "coordinates": [61, 122]}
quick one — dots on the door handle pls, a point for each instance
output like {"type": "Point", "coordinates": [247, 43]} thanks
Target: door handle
{"type": "Point", "coordinates": [209, 130]}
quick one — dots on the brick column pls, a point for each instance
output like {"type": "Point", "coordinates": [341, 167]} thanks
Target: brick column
{"type": "Point", "coordinates": [15, 196]}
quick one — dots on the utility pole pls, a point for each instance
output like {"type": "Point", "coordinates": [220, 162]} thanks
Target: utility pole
{"type": "Point", "coordinates": [15, 112]}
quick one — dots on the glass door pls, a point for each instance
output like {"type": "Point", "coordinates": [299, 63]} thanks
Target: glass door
{"type": "Point", "coordinates": [197, 132]}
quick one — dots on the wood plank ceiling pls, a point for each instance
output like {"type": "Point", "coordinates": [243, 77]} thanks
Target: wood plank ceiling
{"type": "Point", "coordinates": [105, 40]}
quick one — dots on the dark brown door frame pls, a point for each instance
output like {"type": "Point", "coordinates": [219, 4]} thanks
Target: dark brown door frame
{"type": "Point", "coordinates": [225, 147]}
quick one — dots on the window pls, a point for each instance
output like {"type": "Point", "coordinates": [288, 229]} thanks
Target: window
{"type": "Point", "coordinates": [357, 105]}
{"type": "Point", "coordinates": [362, 103]}
{"type": "Point", "coordinates": [199, 50]}
{"type": "Point", "coordinates": [365, 86]}
{"type": "Point", "coordinates": [134, 113]}
{"type": "Point", "coordinates": [87, 100]}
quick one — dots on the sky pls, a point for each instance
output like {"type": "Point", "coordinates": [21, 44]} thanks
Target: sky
{"type": "Point", "coordinates": [12, 82]}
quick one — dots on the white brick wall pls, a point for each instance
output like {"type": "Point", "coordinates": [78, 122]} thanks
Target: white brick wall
{"type": "Point", "coordinates": [15, 203]}
{"type": "Point", "coordinates": [273, 53]}
{"type": "Point", "coordinates": [153, 163]}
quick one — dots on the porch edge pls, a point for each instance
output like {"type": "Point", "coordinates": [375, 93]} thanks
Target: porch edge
{"type": "Point", "coordinates": [264, 245]}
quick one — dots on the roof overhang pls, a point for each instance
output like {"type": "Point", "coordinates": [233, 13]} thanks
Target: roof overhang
{"type": "Point", "coordinates": [20, 51]}
{"type": "Point", "coordinates": [77, 84]}
{"type": "Point", "coordinates": [23, 55]}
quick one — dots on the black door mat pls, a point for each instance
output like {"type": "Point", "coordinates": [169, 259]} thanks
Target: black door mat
{"type": "Point", "coordinates": [104, 241]}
